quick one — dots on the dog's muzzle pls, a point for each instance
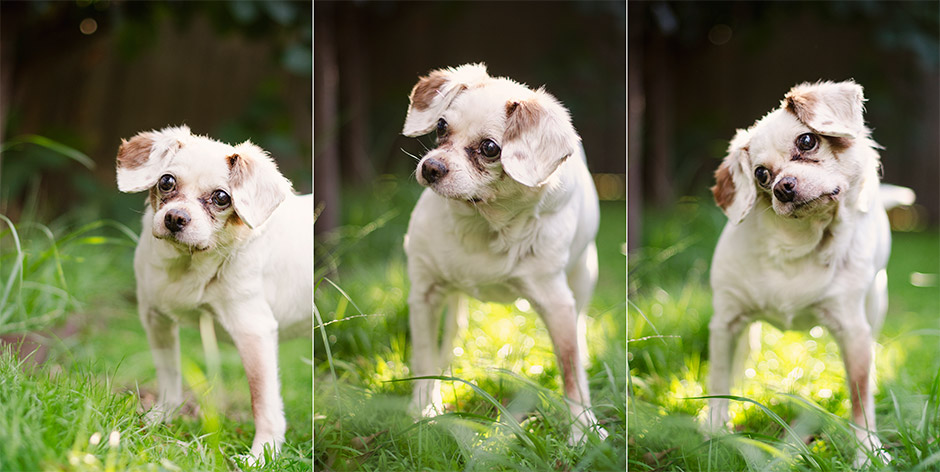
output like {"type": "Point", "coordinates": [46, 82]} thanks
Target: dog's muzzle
{"type": "Point", "coordinates": [176, 219]}
{"type": "Point", "coordinates": [433, 170]}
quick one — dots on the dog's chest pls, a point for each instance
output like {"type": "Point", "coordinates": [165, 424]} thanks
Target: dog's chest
{"type": "Point", "coordinates": [181, 285]}
{"type": "Point", "coordinates": [788, 295]}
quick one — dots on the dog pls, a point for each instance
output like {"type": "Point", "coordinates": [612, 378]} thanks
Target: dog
{"type": "Point", "coordinates": [807, 240]}
{"type": "Point", "coordinates": [224, 233]}
{"type": "Point", "coordinates": [510, 211]}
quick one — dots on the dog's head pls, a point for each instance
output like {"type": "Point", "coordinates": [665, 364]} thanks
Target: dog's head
{"type": "Point", "coordinates": [487, 128]}
{"type": "Point", "coordinates": [803, 158]}
{"type": "Point", "coordinates": [203, 193]}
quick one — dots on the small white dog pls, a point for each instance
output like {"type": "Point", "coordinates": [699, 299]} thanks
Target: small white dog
{"type": "Point", "coordinates": [808, 238]}
{"type": "Point", "coordinates": [510, 211]}
{"type": "Point", "coordinates": [224, 233]}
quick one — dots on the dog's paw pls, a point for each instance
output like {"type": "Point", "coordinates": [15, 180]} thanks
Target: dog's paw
{"type": "Point", "coordinates": [157, 415]}
{"type": "Point", "coordinates": [586, 425]}
{"type": "Point", "coordinates": [871, 447]}
{"type": "Point", "coordinates": [579, 434]}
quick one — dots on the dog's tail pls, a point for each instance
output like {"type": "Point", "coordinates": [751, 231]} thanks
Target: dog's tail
{"type": "Point", "coordinates": [895, 196]}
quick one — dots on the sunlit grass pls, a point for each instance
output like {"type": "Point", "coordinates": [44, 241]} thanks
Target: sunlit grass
{"type": "Point", "coordinates": [77, 405]}
{"type": "Point", "coordinates": [799, 376]}
{"type": "Point", "coordinates": [505, 406]}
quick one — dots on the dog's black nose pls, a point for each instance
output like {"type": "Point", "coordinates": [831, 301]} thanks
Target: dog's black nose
{"type": "Point", "coordinates": [176, 219]}
{"type": "Point", "coordinates": [433, 170]}
{"type": "Point", "coordinates": [785, 189]}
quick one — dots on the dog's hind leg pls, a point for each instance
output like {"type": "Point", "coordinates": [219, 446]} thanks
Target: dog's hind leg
{"type": "Point", "coordinates": [424, 303]}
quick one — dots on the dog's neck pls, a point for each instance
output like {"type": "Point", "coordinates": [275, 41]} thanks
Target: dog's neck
{"type": "Point", "coordinates": [787, 239]}
{"type": "Point", "coordinates": [510, 221]}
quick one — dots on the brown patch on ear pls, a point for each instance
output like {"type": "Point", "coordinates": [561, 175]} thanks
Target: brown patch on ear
{"type": "Point", "coordinates": [426, 89]}
{"type": "Point", "coordinates": [136, 152]}
{"type": "Point", "coordinates": [521, 116]}
{"type": "Point", "coordinates": [801, 105]}
{"type": "Point", "coordinates": [723, 190]}
{"type": "Point", "coordinates": [240, 169]}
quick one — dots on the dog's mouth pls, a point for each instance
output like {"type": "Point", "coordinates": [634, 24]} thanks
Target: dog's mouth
{"type": "Point", "coordinates": [810, 206]}
{"type": "Point", "coordinates": [183, 246]}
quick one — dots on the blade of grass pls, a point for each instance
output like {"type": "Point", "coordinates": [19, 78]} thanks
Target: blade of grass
{"type": "Point", "coordinates": [510, 421]}
{"type": "Point", "coordinates": [797, 441]}
{"type": "Point", "coordinates": [55, 146]}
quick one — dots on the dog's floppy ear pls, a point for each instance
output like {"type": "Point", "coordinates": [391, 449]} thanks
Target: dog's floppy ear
{"type": "Point", "coordinates": [539, 137]}
{"type": "Point", "coordinates": [257, 186]}
{"type": "Point", "coordinates": [142, 160]}
{"type": "Point", "coordinates": [434, 93]}
{"type": "Point", "coordinates": [734, 188]}
{"type": "Point", "coordinates": [830, 109]}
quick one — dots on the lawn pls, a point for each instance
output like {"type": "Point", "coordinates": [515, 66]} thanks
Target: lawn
{"type": "Point", "coordinates": [77, 403]}
{"type": "Point", "coordinates": [506, 409]}
{"type": "Point", "coordinates": [797, 376]}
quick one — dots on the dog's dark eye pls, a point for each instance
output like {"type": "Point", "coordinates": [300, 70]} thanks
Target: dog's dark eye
{"type": "Point", "coordinates": [806, 141]}
{"type": "Point", "coordinates": [167, 183]}
{"type": "Point", "coordinates": [762, 175]}
{"type": "Point", "coordinates": [489, 149]}
{"type": "Point", "coordinates": [441, 127]}
{"type": "Point", "coordinates": [221, 199]}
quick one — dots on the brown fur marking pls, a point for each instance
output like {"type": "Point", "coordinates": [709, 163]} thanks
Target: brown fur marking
{"type": "Point", "coordinates": [723, 190]}
{"type": "Point", "coordinates": [521, 116]}
{"type": "Point", "coordinates": [858, 388]}
{"type": "Point", "coordinates": [240, 169]}
{"type": "Point", "coordinates": [476, 159]}
{"type": "Point", "coordinates": [801, 105]}
{"type": "Point", "coordinates": [136, 152]}
{"type": "Point", "coordinates": [838, 144]}
{"type": "Point", "coordinates": [426, 89]}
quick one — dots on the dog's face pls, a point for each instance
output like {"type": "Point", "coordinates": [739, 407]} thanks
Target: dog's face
{"type": "Point", "coordinates": [802, 158]}
{"type": "Point", "coordinates": [204, 194]}
{"type": "Point", "coordinates": [487, 129]}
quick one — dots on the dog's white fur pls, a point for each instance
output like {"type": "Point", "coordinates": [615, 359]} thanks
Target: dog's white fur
{"type": "Point", "coordinates": [810, 245]}
{"type": "Point", "coordinates": [247, 262]}
{"type": "Point", "coordinates": [521, 224]}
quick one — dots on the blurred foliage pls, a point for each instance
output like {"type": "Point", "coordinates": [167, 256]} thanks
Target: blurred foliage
{"type": "Point", "coordinates": [40, 174]}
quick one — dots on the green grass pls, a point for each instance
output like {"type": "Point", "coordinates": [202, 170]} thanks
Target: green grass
{"type": "Point", "coordinates": [800, 389]}
{"type": "Point", "coordinates": [72, 289]}
{"type": "Point", "coordinates": [506, 410]}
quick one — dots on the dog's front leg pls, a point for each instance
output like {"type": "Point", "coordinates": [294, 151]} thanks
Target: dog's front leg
{"type": "Point", "coordinates": [253, 329]}
{"type": "Point", "coordinates": [424, 318]}
{"type": "Point", "coordinates": [163, 336]}
{"type": "Point", "coordinates": [553, 300]}
{"type": "Point", "coordinates": [854, 335]}
{"type": "Point", "coordinates": [723, 331]}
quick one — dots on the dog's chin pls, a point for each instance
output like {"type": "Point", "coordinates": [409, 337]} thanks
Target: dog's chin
{"type": "Point", "coordinates": [821, 205]}
{"type": "Point", "coordinates": [474, 198]}
{"type": "Point", "coordinates": [182, 245]}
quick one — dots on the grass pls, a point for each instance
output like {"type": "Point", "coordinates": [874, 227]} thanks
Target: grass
{"type": "Point", "coordinates": [506, 410]}
{"type": "Point", "coordinates": [795, 389]}
{"type": "Point", "coordinates": [76, 403]}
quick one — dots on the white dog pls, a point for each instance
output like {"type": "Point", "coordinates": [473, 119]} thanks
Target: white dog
{"type": "Point", "coordinates": [808, 238]}
{"type": "Point", "coordinates": [510, 211]}
{"type": "Point", "coordinates": [222, 232]}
